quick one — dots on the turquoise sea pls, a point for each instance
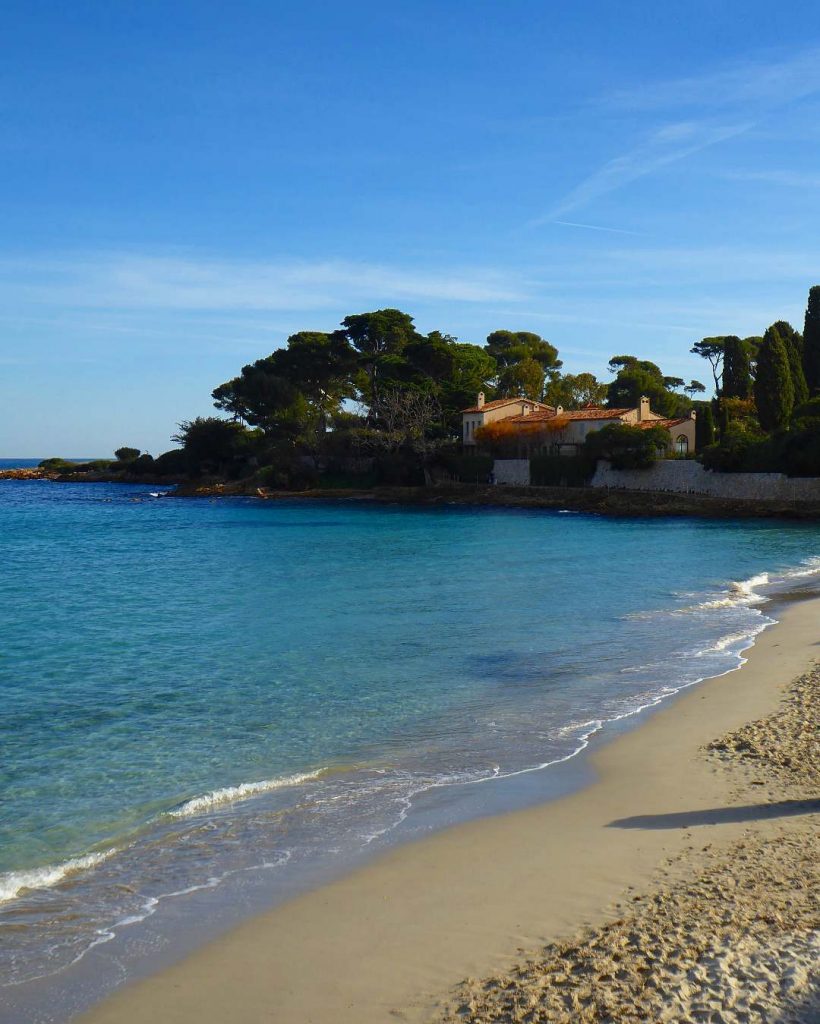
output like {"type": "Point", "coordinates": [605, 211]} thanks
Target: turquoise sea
{"type": "Point", "coordinates": [194, 691]}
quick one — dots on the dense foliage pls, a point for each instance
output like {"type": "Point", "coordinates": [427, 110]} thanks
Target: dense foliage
{"type": "Point", "coordinates": [636, 378]}
{"type": "Point", "coordinates": [811, 341]}
{"type": "Point", "coordinates": [378, 401]}
{"type": "Point", "coordinates": [773, 387]}
{"type": "Point", "coordinates": [764, 393]}
{"type": "Point", "coordinates": [704, 425]}
{"type": "Point", "coordinates": [562, 470]}
{"type": "Point", "coordinates": [737, 368]}
{"type": "Point", "coordinates": [625, 446]}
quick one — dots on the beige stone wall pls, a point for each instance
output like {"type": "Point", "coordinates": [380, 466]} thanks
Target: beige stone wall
{"type": "Point", "coordinates": [688, 477]}
{"type": "Point", "coordinates": [512, 472]}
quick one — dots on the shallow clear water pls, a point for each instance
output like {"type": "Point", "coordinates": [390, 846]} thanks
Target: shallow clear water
{"type": "Point", "coordinates": [190, 688]}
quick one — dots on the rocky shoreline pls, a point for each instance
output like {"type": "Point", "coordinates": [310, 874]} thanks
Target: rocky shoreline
{"type": "Point", "coordinates": [723, 936]}
{"type": "Point", "coordinates": [593, 500]}
{"type": "Point", "coordinates": [598, 501]}
{"type": "Point", "coordinates": [26, 474]}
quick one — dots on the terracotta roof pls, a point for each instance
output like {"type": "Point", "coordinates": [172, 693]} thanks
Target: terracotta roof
{"type": "Point", "coordinates": [498, 402]}
{"type": "Point", "coordinates": [570, 414]}
{"type": "Point", "coordinates": [595, 414]}
{"type": "Point", "coordinates": [532, 417]}
{"type": "Point", "coordinates": [646, 424]}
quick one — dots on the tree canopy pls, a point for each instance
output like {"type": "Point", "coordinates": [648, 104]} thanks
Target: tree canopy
{"type": "Point", "coordinates": [711, 349]}
{"type": "Point", "coordinates": [636, 378]}
{"type": "Point", "coordinates": [811, 341]}
{"type": "Point", "coordinates": [625, 446]}
{"type": "Point", "coordinates": [575, 390]}
{"type": "Point", "coordinates": [737, 373]}
{"type": "Point", "coordinates": [379, 387]}
{"type": "Point", "coordinates": [525, 362]}
{"type": "Point", "coordinates": [774, 391]}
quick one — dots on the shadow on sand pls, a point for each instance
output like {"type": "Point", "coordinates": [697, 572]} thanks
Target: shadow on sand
{"type": "Point", "coordinates": [719, 815]}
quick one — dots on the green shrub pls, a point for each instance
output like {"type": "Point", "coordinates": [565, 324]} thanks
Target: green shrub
{"type": "Point", "coordinates": [348, 481]}
{"type": "Point", "coordinates": [143, 465]}
{"type": "Point", "coordinates": [627, 447]}
{"type": "Point", "coordinates": [171, 463]}
{"type": "Point", "coordinates": [800, 452]}
{"type": "Point", "coordinates": [271, 476]}
{"type": "Point", "coordinates": [467, 467]}
{"type": "Point", "coordinates": [399, 469]}
{"type": "Point", "coordinates": [94, 466]}
{"type": "Point", "coordinates": [561, 470]}
{"type": "Point", "coordinates": [741, 450]}
{"type": "Point", "coordinates": [293, 476]}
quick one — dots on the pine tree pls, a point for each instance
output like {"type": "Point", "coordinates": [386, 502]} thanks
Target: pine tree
{"type": "Point", "coordinates": [737, 375]}
{"type": "Point", "coordinates": [774, 391]}
{"type": "Point", "coordinates": [811, 341]}
{"type": "Point", "coordinates": [794, 349]}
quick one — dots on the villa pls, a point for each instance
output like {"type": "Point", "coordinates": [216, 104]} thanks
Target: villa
{"type": "Point", "coordinates": [543, 427]}
{"type": "Point", "coordinates": [483, 413]}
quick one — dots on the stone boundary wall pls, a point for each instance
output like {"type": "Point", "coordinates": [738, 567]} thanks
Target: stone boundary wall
{"type": "Point", "coordinates": [688, 477]}
{"type": "Point", "coordinates": [513, 472]}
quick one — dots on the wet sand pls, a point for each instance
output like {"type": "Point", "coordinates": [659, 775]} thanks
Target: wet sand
{"type": "Point", "coordinates": [500, 898]}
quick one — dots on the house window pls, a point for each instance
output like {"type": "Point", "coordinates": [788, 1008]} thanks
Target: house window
{"type": "Point", "coordinates": [682, 445]}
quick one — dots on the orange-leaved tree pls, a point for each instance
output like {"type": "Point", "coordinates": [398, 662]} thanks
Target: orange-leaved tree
{"type": "Point", "coordinates": [511, 439]}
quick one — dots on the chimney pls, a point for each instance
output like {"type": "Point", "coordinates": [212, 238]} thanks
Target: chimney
{"type": "Point", "coordinates": [559, 410]}
{"type": "Point", "coordinates": [693, 414]}
{"type": "Point", "coordinates": [480, 402]}
{"type": "Point", "coordinates": [643, 411]}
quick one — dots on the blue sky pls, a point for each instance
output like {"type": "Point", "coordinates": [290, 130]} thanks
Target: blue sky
{"type": "Point", "coordinates": [185, 184]}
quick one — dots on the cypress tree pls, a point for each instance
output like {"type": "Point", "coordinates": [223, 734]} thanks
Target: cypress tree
{"type": "Point", "coordinates": [794, 350]}
{"type": "Point", "coordinates": [774, 391]}
{"type": "Point", "coordinates": [704, 425]}
{"type": "Point", "coordinates": [737, 375]}
{"type": "Point", "coordinates": [811, 341]}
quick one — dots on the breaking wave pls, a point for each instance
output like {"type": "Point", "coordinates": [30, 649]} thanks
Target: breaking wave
{"type": "Point", "coordinates": [232, 794]}
{"type": "Point", "coordinates": [13, 883]}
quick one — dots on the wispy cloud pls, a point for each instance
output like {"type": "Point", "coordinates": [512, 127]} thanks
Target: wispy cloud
{"type": "Point", "coordinates": [760, 83]}
{"type": "Point", "coordinates": [699, 111]}
{"type": "Point", "coordinates": [791, 179]}
{"type": "Point", "coordinates": [594, 227]}
{"type": "Point", "coordinates": [665, 146]}
{"type": "Point", "coordinates": [125, 281]}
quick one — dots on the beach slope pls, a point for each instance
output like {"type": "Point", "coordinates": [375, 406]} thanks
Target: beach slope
{"type": "Point", "coordinates": [498, 898]}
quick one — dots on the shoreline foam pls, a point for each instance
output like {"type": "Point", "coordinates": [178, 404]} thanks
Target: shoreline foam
{"type": "Point", "coordinates": [742, 593]}
{"type": "Point", "coordinates": [739, 593]}
{"type": "Point", "coordinates": [396, 935]}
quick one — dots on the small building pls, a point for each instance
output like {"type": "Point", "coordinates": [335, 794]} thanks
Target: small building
{"type": "Point", "coordinates": [564, 431]}
{"type": "Point", "coordinates": [483, 413]}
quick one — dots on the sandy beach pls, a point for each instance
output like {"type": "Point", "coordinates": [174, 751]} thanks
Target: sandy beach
{"type": "Point", "coordinates": [677, 886]}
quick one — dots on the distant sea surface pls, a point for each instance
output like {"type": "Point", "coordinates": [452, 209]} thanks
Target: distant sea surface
{"type": "Point", "coordinates": [30, 463]}
{"type": "Point", "coordinates": [19, 463]}
{"type": "Point", "coordinates": [193, 691]}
